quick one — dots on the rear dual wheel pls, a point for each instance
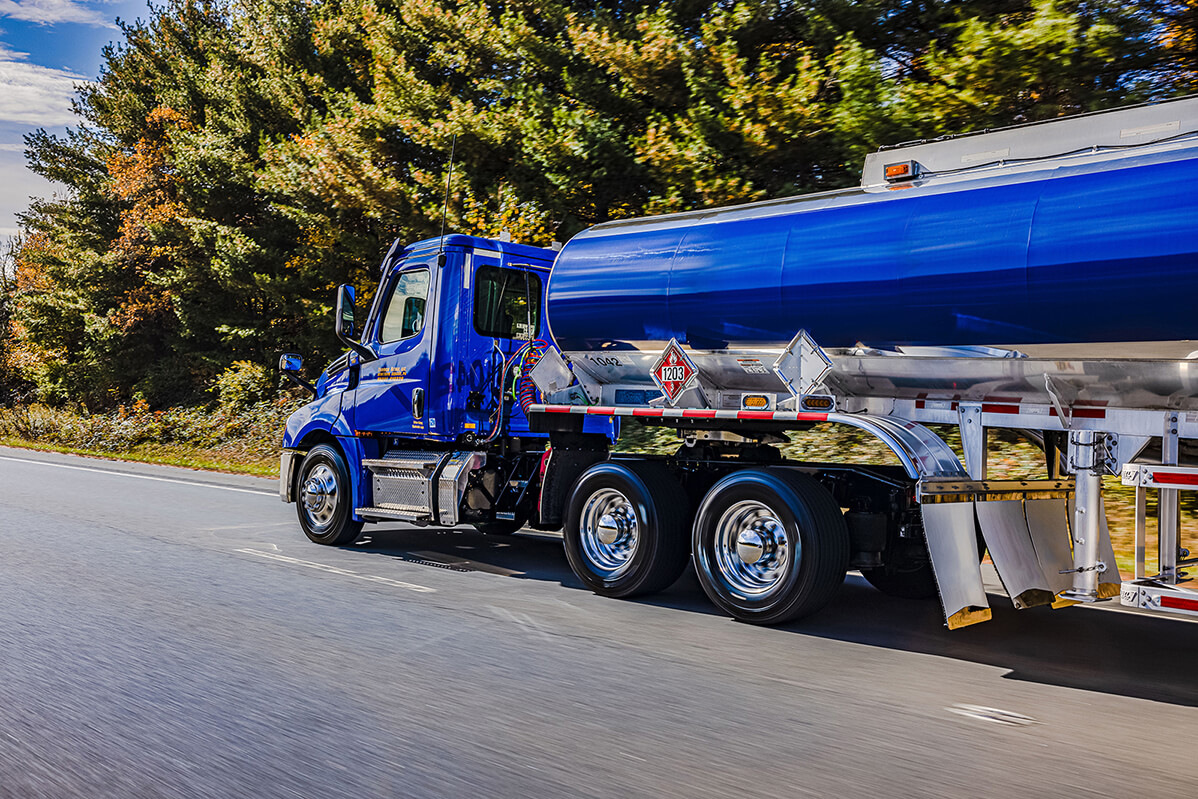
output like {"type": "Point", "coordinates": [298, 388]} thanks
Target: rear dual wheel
{"type": "Point", "coordinates": [626, 528]}
{"type": "Point", "coordinates": [770, 545]}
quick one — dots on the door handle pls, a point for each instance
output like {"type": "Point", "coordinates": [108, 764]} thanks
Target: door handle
{"type": "Point", "coordinates": [417, 403]}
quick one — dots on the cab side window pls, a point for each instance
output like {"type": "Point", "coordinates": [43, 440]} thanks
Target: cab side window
{"type": "Point", "coordinates": [507, 303]}
{"type": "Point", "coordinates": [405, 311]}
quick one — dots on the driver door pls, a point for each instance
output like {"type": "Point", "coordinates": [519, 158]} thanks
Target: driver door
{"type": "Point", "coordinates": [392, 392]}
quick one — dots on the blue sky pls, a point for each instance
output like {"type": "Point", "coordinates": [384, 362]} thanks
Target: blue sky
{"type": "Point", "coordinates": [47, 47]}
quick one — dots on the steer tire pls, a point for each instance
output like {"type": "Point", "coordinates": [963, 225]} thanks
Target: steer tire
{"type": "Point", "coordinates": [324, 504]}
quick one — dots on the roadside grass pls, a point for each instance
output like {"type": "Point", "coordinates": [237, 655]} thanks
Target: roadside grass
{"type": "Point", "coordinates": [245, 439]}
{"type": "Point", "coordinates": [165, 454]}
{"type": "Point", "coordinates": [239, 440]}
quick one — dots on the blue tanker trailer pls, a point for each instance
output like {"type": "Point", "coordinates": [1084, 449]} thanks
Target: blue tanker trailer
{"type": "Point", "coordinates": [1035, 278]}
{"type": "Point", "coordinates": [1038, 247]}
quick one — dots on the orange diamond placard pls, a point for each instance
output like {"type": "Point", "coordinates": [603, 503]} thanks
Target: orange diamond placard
{"type": "Point", "coordinates": [673, 372]}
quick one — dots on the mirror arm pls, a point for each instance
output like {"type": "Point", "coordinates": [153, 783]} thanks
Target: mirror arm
{"type": "Point", "coordinates": [299, 381]}
{"type": "Point", "coordinates": [362, 350]}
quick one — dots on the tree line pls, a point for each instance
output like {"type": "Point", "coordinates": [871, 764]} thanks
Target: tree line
{"type": "Point", "coordinates": [237, 159]}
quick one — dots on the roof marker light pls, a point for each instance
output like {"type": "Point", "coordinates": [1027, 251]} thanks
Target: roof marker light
{"type": "Point", "coordinates": [903, 170]}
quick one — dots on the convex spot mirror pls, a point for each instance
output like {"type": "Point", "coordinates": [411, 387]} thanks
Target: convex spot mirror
{"type": "Point", "coordinates": [290, 365]}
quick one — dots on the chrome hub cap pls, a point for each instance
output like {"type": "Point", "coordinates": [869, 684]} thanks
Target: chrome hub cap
{"type": "Point", "coordinates": [319, 495]}
{"type": "Point", "coordinates": [753, 549]}
{"type": "Point", "coordinates": [611, 528]}
{"type": "Point", "coordinates": [750, 545]}
{"type": "Point", "coordinates": [609, 532]}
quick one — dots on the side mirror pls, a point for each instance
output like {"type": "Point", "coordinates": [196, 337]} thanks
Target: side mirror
{"type": "Point", "coordinates": [345, 311]}
{"type": "Point", "coordinates": [289, 367]}
{"type": "Point", "coordinates": [290, 362]}
{"type": "Point", "coordinates": [344, 325]}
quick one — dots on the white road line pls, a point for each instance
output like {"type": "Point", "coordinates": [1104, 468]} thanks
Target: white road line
{"type": "Point", "coordinates": [423, 589]}
{"type": "Point", "coordinates": [138, 476]}
{"type": "Point", "coordinates": [992, 714]}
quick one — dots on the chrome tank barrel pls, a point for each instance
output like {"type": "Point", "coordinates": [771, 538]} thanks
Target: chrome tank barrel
{"type": "Point", "coordinates": [1100, 249]}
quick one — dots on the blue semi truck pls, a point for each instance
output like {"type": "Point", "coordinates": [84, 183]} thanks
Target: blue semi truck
{"type": "Point", "coordinates": [1037, 279]}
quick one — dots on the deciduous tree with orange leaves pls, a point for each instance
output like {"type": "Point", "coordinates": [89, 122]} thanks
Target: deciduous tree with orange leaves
{"type": "Point", "coordinates": [237, 159]}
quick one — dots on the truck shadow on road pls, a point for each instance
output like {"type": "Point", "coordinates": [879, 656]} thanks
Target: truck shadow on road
{"type": "Point", "coordinates": [1088, 648]}
{"type": "Point", "coordinates": [1121, 653]}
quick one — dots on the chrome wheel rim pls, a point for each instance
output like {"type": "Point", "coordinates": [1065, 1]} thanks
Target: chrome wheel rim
{"type": "Point", "coordinates": [753, 549]}
{"type": "Point", "coordinates": [609, 533]}
{"type": "Point", "coordinates": [318, 495]}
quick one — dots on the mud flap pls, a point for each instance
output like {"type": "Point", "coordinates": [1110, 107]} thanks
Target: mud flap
{"type": "Point", "coordinates": [1048, 523]}
{"type": "Point", "coordinates": [952, 544]}
{"type": "Point", "coordinates": [1009, 539]}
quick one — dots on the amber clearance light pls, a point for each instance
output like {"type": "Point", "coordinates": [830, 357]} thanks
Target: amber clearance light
{"type": "Point", "coordinates": [904, 170]}
{"type": "Point", "coordinates": [818, 402]}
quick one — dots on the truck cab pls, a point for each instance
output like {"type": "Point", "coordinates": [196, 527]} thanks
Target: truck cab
{"type": "Point", "coordinates": [424, 418]}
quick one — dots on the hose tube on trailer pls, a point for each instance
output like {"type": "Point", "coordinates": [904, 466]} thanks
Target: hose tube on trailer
{"type": "Point", "coordinates": [524, 390]}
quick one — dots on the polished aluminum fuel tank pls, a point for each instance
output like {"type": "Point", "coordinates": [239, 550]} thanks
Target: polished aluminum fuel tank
{"type": "Point", "coordinates": [1097, 246]}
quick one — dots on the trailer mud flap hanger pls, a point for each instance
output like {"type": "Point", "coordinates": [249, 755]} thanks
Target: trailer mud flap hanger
{"type": "Point", "coordinates": [949, 527]}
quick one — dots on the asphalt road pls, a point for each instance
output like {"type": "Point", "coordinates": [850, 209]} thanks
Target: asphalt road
{"type": "Point", "coordinates": [168, 633]}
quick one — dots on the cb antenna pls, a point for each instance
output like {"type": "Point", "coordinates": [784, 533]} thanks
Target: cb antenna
{"type": "Point", "coordinates": [453, 143]}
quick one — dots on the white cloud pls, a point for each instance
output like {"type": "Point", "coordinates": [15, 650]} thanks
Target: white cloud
{"type": "Point", "coordinates": [20, 185]}
{"type": "Point", "coordinates": [35, 95]}
{"type": "Point", "coordinates": [6, 147]}
{"type": "Point", "coordinates": [51, 12]}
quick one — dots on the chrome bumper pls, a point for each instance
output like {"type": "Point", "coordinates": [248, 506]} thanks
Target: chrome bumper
{"type": "Point", "coordinates": [288, 459]}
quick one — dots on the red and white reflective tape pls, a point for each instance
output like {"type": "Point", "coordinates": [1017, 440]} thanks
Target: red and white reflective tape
{"type": "Point", "coordinates": [1172, 602]}
{"type": "Point", "coordinates": [1171, 479]}
{"type": "Point", "coordinates": [1150, 475]}
{"type": "Point", "coordinates": [682, 413]}
{"type": "Point", "coordinates": [1152, 596]}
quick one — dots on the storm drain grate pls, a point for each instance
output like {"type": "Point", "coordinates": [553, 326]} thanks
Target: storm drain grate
{"type": "Point", "coordinates": [453, 567]}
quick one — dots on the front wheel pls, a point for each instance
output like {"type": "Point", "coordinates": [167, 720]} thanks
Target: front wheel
{"type": "Point", "coordinates": [625, 532]}
{"type": "Point", "coordinates": [324, 497]}
{"type": "Point", "coordinates": [770, 545]}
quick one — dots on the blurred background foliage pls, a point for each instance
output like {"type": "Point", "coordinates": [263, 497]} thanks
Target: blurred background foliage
{"type": "Point", "coordinates": [236, 159]}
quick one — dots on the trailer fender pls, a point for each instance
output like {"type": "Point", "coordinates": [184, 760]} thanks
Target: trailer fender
{"type": "Point", "coordinates": [949, 528]}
